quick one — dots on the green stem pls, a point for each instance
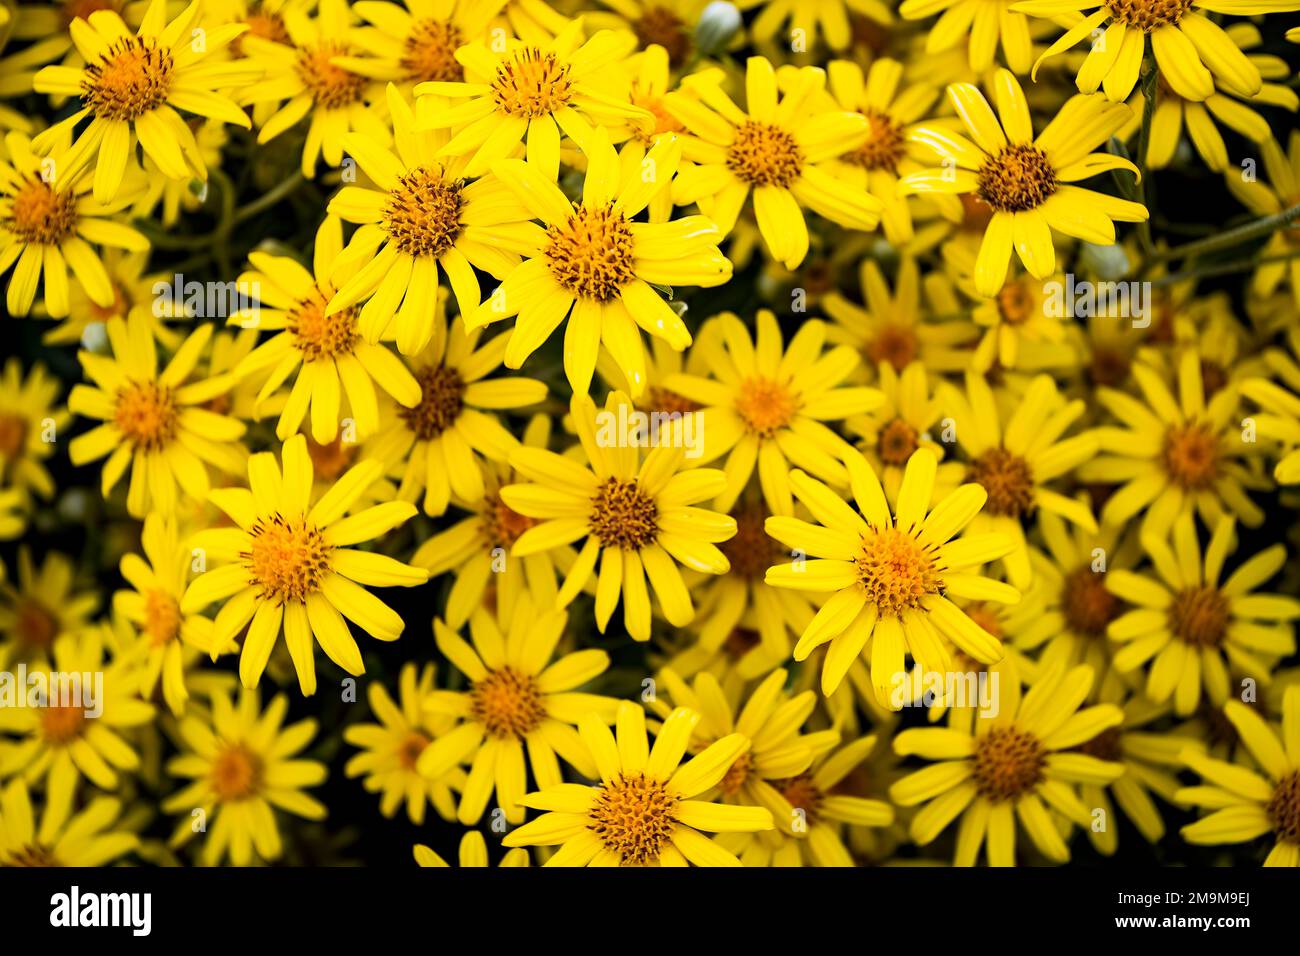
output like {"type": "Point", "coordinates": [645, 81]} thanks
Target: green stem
{"type": "Point", "coordinates": [1149, 76]}
{"type": "Point", "coordinates": [1233, 237]}
{"type": "Point", "coordinates": [269, 199]}
{"type": "Point", "coordinates": [1222, 269]}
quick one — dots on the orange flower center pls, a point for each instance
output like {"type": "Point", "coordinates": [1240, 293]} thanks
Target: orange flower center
{"type": "Point", "coordinates": [1018, 178]}
{"type": "Point", "coordinates": [803, 794]}
{"type": "Point", "coordinates": [1015, 302]}
{"type": "Point", "coordinates": [737, 774]}
{"type": "Point", "coordinates": [34, 624]}
{"type": "Point", "coordinates": [623, 516]}
{"type": "Point", "coordinates": [319, 336]}
{"type": "Point", "coordinates": [895, 344]}
{"type": "Point", "coordinates": [30, 855]}
{"type": "Point", "coordinates": [133, 77]}
{"type": "Point", "coordinates": [409, 750]}
{"type": "Point", "coordinates": [62, 725]}
{"type": "Point", "coordinates": [763, 154]}
{"type": "Point", "coordinates": [1191, 455]}
{"type": "Point", "coordinates": [896, 442]}
{"type": "Point", "coordinates": [591, 254]}
{"type": "Point", "coordinates": [1147, 15]}
{"type": "Point", "coordinates": [662, 26]}
{"type": "Point", "coordinates": [423, 213]}
{"type": "Point", "coordinates": [147, 414]}
{"type": "Point", "coordinates": [1008, 762]}
{"type": "Point", "coordinates": [507, 703]}
{"type": "Point", "coordinates": [751, 552]}
{"type": "Point", "coordinates": [331, 460]}
{"type": "Point", "coordinates": [162, 618]}
{"type": "Point", "coordinates": [1107, 745]}
{"type": "Point", "coordinates": [429, 53]}
{"type": "Point", "coordinates": [765, 406]}
{"type": "Point", "coordinates": [330, 86]}
{"type": "Point", "coordinates": [236, 773]}
{"type": "Point", "coordinates": [40, 214]}
{"type": "Point", "coordinates": [1088, 606]}
{"type": "Point", "coordinates": [532, 83]}
{"type": "Point", "coordinates": [13, 436]}
{"type": "Point", "coordinates": [897, 571]}
{"type": "Point", "coordinates": [1007, 479]}
{"type": "Point", "coordinates": [72, 9]}
{"type": "Point", "coordinates": [1199, 616]}
{"type": "Point", "coordinates": [288, 558]}
{"type": "Point", "coordinates": [633, 816]}
{"type": "Point", "coordinates": [884, 147]}
{"type": "Point", "coordinates": [659, 399]}
{"type": "Point", "coordinates": [1284, 808]}
{"type": "Point", "coordinates": [502, 525]}
{"type": "Point", "coordinates": [441, 399]}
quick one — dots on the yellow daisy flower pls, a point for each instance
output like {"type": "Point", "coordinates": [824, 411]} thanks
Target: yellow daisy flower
{"type": "Point", "coordinates": [522, 700]}
{"type": "Point", "coordinates": [778, 148]}
{"type": "Point", "coordinates": [132, 289]}
{"type": "Point", "coordinates": [766, 406]}
{"type": "Point", "coordinates": [1174, 455]}
{"type": "Point", "coordinates": [154, 423]}
{"type": "Point", "coordinates": [1268, 199]}
{"type": "Point", "coordinates": [391, 748]}
{"type": "Point", "coordinates": [153, 606]}
{"type": "Point", "coordinates": [892, 325]}
{"type": "Point", "coordinates": [322, 351]}
{"type": "Point", "coordinates": [1026, 181]}
{"type": "Point", "coordinates": [1248, 803]}
{"type": "Point", "coordinates": [647, 810]}
{"type": "Point", "coordinates": [423, 215]}
{"type": "Point", "coordinates": [47, 225]}
{"type": "Point", "coordinates": [303, 78]}
{"type": "Point", "coordinates": [1017, 464]}
{"type": "Point", "coordinates": [415, 41]}
{"type": "Point", "coordinates": [476, 549]}
{"type": "Point", "coordinates": [903, 423]}
{"type": "Point", "coordinates": [91, 837]}
{"type": "Point", "coordinates": [30, 426]}
{"type": "Point", "coordinates": [473, 853]}
{"type": "Point", "coordinates": [818, 816]}
{"type": "Point", "coordinates": [886, 154]}
{"type": "Point", "coordinates": [439, 444]}
{"type": "Point", "coordinates": [1191, 627]}
{"type": "Point", "coordinates": [1192, 52]}
{"type": "Point", "coordinates": [810, 19]}
{"type": "Point", "coordinates": [888, 577]}
{"type": "Point", "coordinates": [636, 513]}
{"type": "Point", "coordinates": [131, 88]}
{"type": "Point", "coordinates": [290, 564]}
{"type": "Point", "coordinates": [243, 765]}
{"type": "Point", "coordinates": [41, 605]}
{"type": "Point", "coordinates": [1020, 764]}
{"type": "Point", "coordinates": [61, 742]}
{"type": "Point", "coordinates": [596, 267]}
{"type": "Point", "coordinates": [531, 92]}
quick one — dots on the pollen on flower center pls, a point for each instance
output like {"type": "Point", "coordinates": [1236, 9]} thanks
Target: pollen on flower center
{"type": "Point", "coordinates": [507, 703]}
{"type": "Point", "coordinates": [1199, 616]}
{"type": "Point", "coordinates": [751, 551]}
{"type": "Point", "coordinates": [665, 122]}
{"type": "Point", "coordinates": [147, 414]}
{"type": "Point", "coordinates": [763, 154]}
{"type": "Point", "coordinates": [442, 394]}
{"type": "Point", "coordinates": [429, 53]}
{"type": "Point", "coordinates": [660, 399]}
{"type": "Point", "coordinates": [288, 558]}
{"type": "Point", "coordinates": [13, 436]}
{"type": "Point", "coordinates": [1284, 808]}
{"type": "Point", "coordinates": [532, 83]}
{"type": "Point", "coordinates": [591, 254]}
{"type": "Point", "coordinates": [40, 214]}
{"type": "Point", "coordinates": [1147, 15]}
{"type": "Point", "coordinates": [633, 816]}
{"type": "Point", "coordinates": [330, 86]}
{"type": "Point", "coordinates": [133, 77]}
{"type": "Point", "coordinates": [409, 750]}
{"type": "Point", "coordinates": [502, 525]}
{"type": "Point", "coordinates": [162, 617]}
{"type": "Point", "coordinates": [1089, 607]}
{"type": "Point", "coordinates": [884, 147]}
{"type": "Point", "coordinates": [895, 344]}
{"type": "Point", "coordinates": [623, 516]}
{"type": "Point", "coordinates": [330, 460]}
{"type": "Point", "coordinates": [1015, 303]}
{"type": "Point", "coordinates": [236, 773]}
{"type": "Point", "coordinates": [1191, 455]}
{"type": "Point", "coordinates": [766, 406]}
{"type": "Point", "coordinates": [896, 442]}
{"type": "Point", "coordinates": [1007, 479]}
{"type": "Point", "coordinates": [662, 26]}
{"type": "Point", "coordinates": [803, 794]}
{"type": "Point", "coordinates": [1007, 763]}
{"type": "Point", "coordinates": [422, 216]}
{"type": "Point", "coordinates": [1107, 745]}
{"type": "Point", "coordinates": [320, 336]}
{"type": "Point", "coordinates": [897, 571]}
{"type": "Point", "coordinates": [1019, 177]}
{"type": "Point", "coordinates": [62, 725]}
